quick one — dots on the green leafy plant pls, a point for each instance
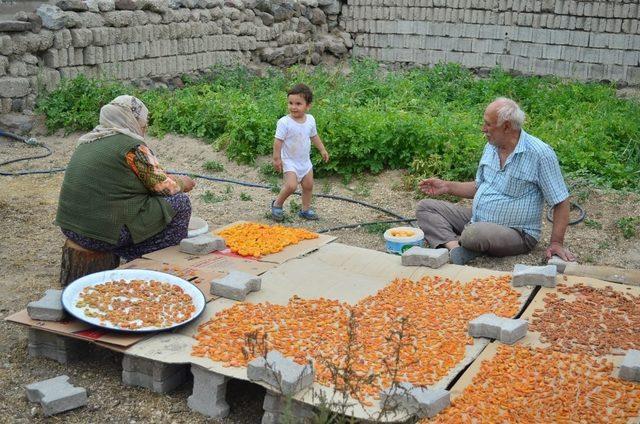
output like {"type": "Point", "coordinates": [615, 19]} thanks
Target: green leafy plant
{"type": "Point", "coordinates": [628, 225]}
{"type": "Point", "coordinates": [426, 120]}
{"type": "Point", "coordinates": [590, 223]}
{"type": "Point", "coordinates": [294, 206]}
{"type": "Point", "coordinates": [213, 166]}
{"type": "Point", "coordinates": [245, 197]}
{"type": "Point", "coordinates": [211, 197]}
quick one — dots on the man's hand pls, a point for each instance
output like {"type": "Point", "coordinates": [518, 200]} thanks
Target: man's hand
{"type": "Point", "coordinates": [277, 164]}
{"type": "Point", "coordinates": [325, 155]}
{"type": "Point", "coordinates": [434, 186]}
{"type": "Point", "coordinates": [558, 249]}
{"type": "Point", "coordinates": [187, 183]}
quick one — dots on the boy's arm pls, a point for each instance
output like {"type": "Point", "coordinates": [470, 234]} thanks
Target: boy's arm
{"type": "Point", "coordinates": [277, 158]}
{"type": "Point", "coordinates": [318, 143]}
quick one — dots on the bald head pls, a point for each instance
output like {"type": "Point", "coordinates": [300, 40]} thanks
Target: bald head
{"type": "Point", "coordinates": [503, 120]}
{"type": "Point", "coordinates": [506, 110]}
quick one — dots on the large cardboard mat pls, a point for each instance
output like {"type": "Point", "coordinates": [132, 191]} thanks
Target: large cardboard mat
{"type": "Point", "coordinates": [335, 271]}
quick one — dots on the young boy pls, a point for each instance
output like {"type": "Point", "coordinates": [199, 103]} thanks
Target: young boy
{"type": "Point", "coordinates": [292, 151]}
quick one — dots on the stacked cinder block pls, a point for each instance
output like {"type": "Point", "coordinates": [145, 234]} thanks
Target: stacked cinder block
{"type": "Point", "coordinates": [209, 390]}
{"type": "Point", "coordinates": [156, 376]}
{"type": "Point", "coordinates": [279, 408]}
{"type": "Point", "coordinates": [54, 346]}
{"type": "Point", "coordinates": [588, 40]}
{"type": "Point", "coordinates": [157, 39]}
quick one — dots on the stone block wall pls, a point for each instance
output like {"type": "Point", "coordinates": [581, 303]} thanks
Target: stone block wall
{"type": "Point", "coordinates": [581, 39]}
{"type": "Point", "coordinates": [137, 40]}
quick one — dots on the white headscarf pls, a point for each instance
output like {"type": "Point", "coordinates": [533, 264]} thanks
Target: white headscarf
{"type": "Point", "coordinates": [123, 115]}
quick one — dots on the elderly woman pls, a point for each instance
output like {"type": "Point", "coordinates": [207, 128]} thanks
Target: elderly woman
{"type": "Point", "coordinates": [115, 196]}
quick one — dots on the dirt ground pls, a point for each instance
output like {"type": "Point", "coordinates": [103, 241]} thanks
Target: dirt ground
{"type": "Point", "coordinates": [31, 244]}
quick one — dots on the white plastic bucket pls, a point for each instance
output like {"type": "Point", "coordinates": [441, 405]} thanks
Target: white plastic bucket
{"type": "Point", "coordinates": [399, 243]}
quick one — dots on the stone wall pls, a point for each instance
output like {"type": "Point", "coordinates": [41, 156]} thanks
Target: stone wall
{"type": "Point", "coordinates": [586, 40]}
{"type": "Point", "coordinates": [155, 40]}
{"type": "Point", "coordinates": [149, 41]}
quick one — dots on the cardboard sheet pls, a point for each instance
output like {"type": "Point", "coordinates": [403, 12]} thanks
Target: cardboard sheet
{"type": "Point", "coordinates": [212, 262]}
{"type": "Point", "coordinates": [533, 338]}
{"type": "Point", "coordinates": [335, 271]}
{"type": "Point", "coordinates": [294, 251]}
{"type": "Point", "coordinates": [201, 278]}
{"type": "Point", "coordinates": [80, 330]}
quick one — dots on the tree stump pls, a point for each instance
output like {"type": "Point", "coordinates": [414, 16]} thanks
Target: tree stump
{"type": "Point", "coordinates": [78, 262]}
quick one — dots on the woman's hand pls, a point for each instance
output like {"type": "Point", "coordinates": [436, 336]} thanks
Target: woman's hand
{"type": "Point", "coordinates": [187, 182]}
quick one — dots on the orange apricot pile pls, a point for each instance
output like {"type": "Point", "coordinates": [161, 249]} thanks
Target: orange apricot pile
{"type": "Point", "coordinates": [542, 385]}
{"type": "Point", "coordinates": [591, 320]}
{"type": "Point", "coordinates": [408, 331]}
{"type": "Point", "coordinates": [252, 239]}
{"type": "Point", "coordinates": [136, 304]}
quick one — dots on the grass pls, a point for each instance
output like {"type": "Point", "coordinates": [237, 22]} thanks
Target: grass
{"type": "Point", "coordinates": [426, 120]}
{"type": "Point", "coordinates": [628, 225]}
{"type": "Point", "coordinates": [245, 197]}
{"type": "Point", "coordinates": [210, 197]}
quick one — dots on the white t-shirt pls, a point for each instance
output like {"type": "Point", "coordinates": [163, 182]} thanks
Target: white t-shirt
{"type": "Point", "coordinates": [296, 144]}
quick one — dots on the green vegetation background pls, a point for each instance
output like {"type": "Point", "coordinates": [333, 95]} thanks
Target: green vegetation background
{"type": "Point", "coordinates": [427, 120]}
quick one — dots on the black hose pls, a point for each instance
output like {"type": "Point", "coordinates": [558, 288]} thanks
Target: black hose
{"type": "Point", "coordinates": [362, 224]}
{"type": "Point", "coordinates": [578, 220]}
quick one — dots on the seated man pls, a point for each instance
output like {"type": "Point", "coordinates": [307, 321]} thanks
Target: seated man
{"type": "Point", "coordinates": [517, 172]}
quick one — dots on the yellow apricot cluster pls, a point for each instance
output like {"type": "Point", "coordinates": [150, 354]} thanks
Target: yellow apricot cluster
{"type": "Point", "coordinates": [253, 239]}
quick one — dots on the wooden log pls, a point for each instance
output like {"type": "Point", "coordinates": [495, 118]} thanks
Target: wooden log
{"type": "Point", "coordinates": [77, 262]}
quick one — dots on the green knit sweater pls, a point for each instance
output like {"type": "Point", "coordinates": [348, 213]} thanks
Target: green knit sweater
{"type": "Point", "coordinates": [100, 194]}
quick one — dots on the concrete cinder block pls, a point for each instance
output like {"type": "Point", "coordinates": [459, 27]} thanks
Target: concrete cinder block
{"type": "Point", "coordinates": [525, 275]}
{"type": "Point", "coordinates": [209, 390]}
{"type": "Point", "coordinates": [156, 376]}
{"type": "Point", "coordinates": [630, 368]}
{"type": "Point", "coordinates": [236, 285]}
{"type": "Point", "coordinates": [54, 346]}
{"type": "Point", "coordinates": [284, 374]}
{"type": "Point", "coordinates": [49, 308]}
{"type": "Point", "coordinates": [425, 403]}
{"type": "Point", "coordinates": [278, 407]}
{"type": "Point", "coordinates": [202, 244]}
{"type": "Point", "coordinates": [56, 395]}
{"type": "Point", "coordinates": [558, 263]}
{"type": "Point", "coordinates": [420, 256]}
{"type": "Point", "coordinates": [505, 330]}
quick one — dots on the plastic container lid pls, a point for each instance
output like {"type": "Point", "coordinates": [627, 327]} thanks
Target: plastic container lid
{"type": "Point", "coordinates": [197, 226]}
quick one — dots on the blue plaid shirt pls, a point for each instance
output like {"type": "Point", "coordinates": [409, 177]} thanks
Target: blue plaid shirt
{"type": "Point", "coordinates": [513, 196]}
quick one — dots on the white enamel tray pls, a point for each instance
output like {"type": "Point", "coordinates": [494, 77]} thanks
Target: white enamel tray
{"type": "Point", "coordinates": [71, 294]}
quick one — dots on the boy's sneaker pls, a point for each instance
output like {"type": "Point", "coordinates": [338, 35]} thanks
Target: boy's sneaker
{"type": "Point", "coordinates": [309, 215]}
{"type": "Point", "coordinates": [276, 212]}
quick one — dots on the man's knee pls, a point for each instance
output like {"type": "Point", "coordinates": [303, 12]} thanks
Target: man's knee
{"type": "Point", "coordinates": [474, 237]}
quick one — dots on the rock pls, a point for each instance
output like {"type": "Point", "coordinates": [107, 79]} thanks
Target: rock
{"type": "Point", "coordinates": [264, 6]}
{"type": "Point", "coordinates": [267, 19]}
{"type": "Point", "coordinates": [125, 5]}
{"type": "Point", "coordinates": [17, 123]}
{"type": "Point", "coordinates": [92, 5]}
{"type": "Point", "coordinates": [72, 5]}
{"type": "Point", "coordinates": [52, 17]}
{"type": "Point", "coordinates": [282, 12]}
{"type": "Point", "coordinates": [14, 87]}
{"type": "Point", "coordinates": [316, 16]}
{"type": "Point", "coordinates": [14, 26]}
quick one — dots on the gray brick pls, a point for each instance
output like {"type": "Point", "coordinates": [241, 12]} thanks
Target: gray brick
{"type": "Point", "coordinates": [236, 285]}
{"type": "Point", "coordinates": [630, 367]}
{"type": "Point", "coordinates": [56, 395]}
{"type": "Point", "coordinates": [425, 403]}
{"type": "Point", "coordinates": [286, 376]}
{"type": "Point", "coordinates": [524, 275]}
{"type": "Point", "coordinates": [54, 346]}
{"type": "Point", "coordinates": [209, 390]}
{"type": "Point", "coordinates": [154, 375]}
{"type": "Point", "coordinates": [48, 308]}
{"type": "Point", "coordinates": [505, 330]}
{"type": "Point", "coordinates": [419, 256]}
